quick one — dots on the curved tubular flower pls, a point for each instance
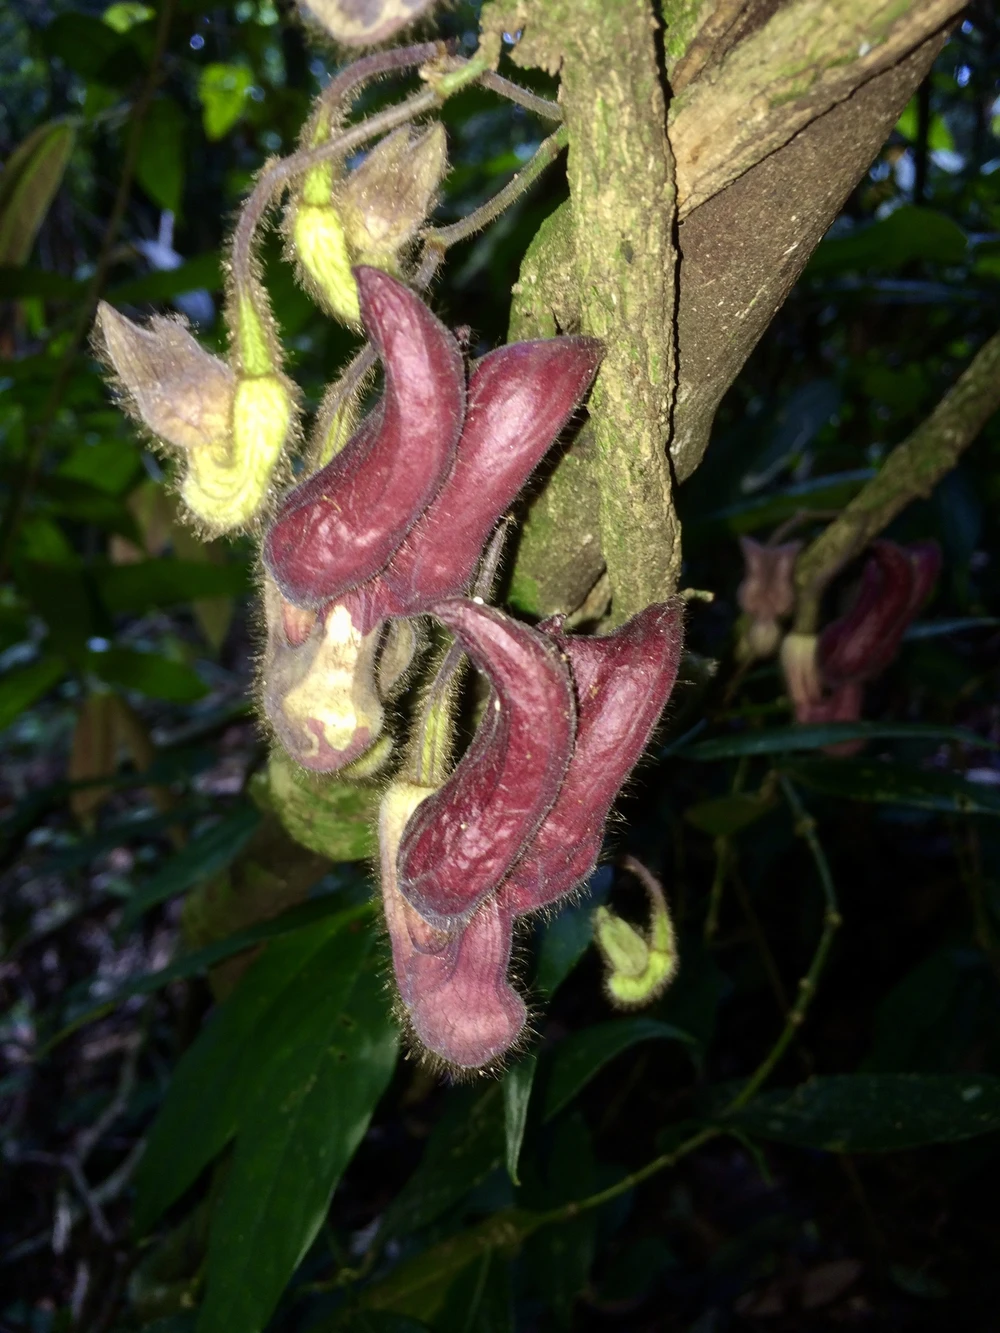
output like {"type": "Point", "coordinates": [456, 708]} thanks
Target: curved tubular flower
{"type": "Point", "coordinates": [895, 583]}
{"type": "Point", "coordinates": [766, 595]}
{"type": "Point", "coordinates": [454, 985]}
{"type": "Point", "coordinates": [318, 676]}
{"type": "Point", "coordinates": [341, 525]}
{"type": "Point", "coordinates": [520, 398]}
{"type": "Point", "coordinates": [623, 681]}
{"type": "Point", "coordinates": [464, 839]}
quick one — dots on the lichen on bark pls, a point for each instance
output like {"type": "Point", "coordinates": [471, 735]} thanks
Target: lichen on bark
{"type": "Point", "coordinates": [621, 211]}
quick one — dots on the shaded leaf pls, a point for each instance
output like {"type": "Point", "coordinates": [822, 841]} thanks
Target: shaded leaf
{"type": "Point", "coordinates": [149, 674]}
{"type": "Point", "coordinates": [479, 1300]}
{"type": "Point", "coordinates": [725, 815]}
{"type": "Point", "coordinates": [876, 1112]}
{"type": "Point", "coordinates": [24, 686]}
{"type": "Point", "coordinates": [907, 234]}
{"type": "Point", "coordinates": [151, 584]}
{"type": "Point", "coordinates": [308, 1110]}
{"type": "Point", "coordinates": [517, 1085]}
{"type": "Point", "coordinates": [203, 857]}
{"type": "Point", "coordinates": [896, 784]}
{"type": "Point", "coordinates": [202, 272]}
{"type": "Point", "coordinates": [579, 1057]}
{"type": "Point", "coordinates": [213, 1078]}
{"type": "Point", "coordinates": [159, 168]}
{"type": "Point", "coordinates": [466, 1145]}
{"type": "Point", "coordinates": [785, 740]}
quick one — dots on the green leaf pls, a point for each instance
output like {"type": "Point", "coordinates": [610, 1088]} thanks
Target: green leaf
{"type": "Point", "coordinates": [785, 740]}
{"type": "Point", "coordinates": [579, 1057]}
{"type": "Point", "coordinates": [564, 939]}
{"type": "Point", "coordinates": [28, 184]}
{"type": "Point", "coordinates": [896, 784]}
{"type": "Point", "coordinates": [204, 271]}
{"type": "Point", "coordinates": [907, 234]}
{"type": "Point", "coordinates": [222, 91]}
{"type": "Point", "coordinates": [830, 492]}
{"type": "Point", "coordinates": [107, 466]}
{"type": "Point", "coordinates": [418, 1286]}
{"type": "Point", "coordinates": [149, 585]}
{"type": "Point", "coordinates": [308, 1110]}
{"type": "Point", "coordinates": [159, 168]}
{"type": "Point", "coordinates": [725, 815]}
{"type": "Point", "coordinates": [203, 857]}
{"type": "Point", "coordinates": [466, 1145]}
{"type": "Point", "coordinates": [479, 1300]}
{"type": "Point", "coordinates": [22, 687]}
{"type": "Point", "coordinates": [875, 1112]}
{"type": "Point", "coordinates": [200, 961]}
{"type": "Point", "coordinates": [91, 48]}
{"type": "Point", "coordinates": [213, 1078]}
{"type": "Point", "coordinates": [149, 673]}
{"type": "Point", "coordinates": [17, 282]}
{"type": "Point", "coordinates": [517, 1085]}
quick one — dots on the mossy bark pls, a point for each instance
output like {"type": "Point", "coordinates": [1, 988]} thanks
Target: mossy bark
{"type": "Point", "coordinates": [623, 266]}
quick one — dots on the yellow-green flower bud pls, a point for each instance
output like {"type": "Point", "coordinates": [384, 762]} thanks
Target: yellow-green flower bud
{"type": "Point", "coordinates": [320, 246]}
{"type": "Point", "coordinates": [639, 965]}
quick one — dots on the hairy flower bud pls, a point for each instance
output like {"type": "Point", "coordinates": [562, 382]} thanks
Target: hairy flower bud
{"type": "Point", "coordinates": [639, 965]}
{"type": "Point", "coordinates": [623, 681]}
{"type": "Point", "coordinates": [367, 22]}
{"type": "Point", "coordinates": [230, 428]}
{"type": "Point", "coordinates": [319, 243]}
{"type": "Point", "coordinates": [462, 841]}
{"type": "Point", "coordinates": [766, 595]}
{"type": "Point", "coordinates": [453, 985]}
{"type": "Point", "coordinates": [318, 678]}
{"type": "Point", "coordinates": [895, 583]}
{"type": "Point", "coordinates": [342, 524]}
{"type": "Point", "coordinates": [384, 201]}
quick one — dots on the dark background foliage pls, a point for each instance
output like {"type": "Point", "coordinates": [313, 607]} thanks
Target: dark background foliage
{"type": "Point", "coordinates": [126, 657]}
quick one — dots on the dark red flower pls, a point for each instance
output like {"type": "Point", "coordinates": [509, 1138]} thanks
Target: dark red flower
{"type": "Point", "coordinates": [342, 524]}
{"type": "Point", "coordinates": [462, 841]}
{"type": "Point", "coordinates": [895, 583]}
{"type": "Point", "coordinates": [623, 681]}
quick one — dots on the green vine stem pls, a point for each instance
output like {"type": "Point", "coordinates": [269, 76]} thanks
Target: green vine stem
{"type": "Point", "coordinates": [912, 469]}
{"type": "Point", "coordinates": [805, 827]}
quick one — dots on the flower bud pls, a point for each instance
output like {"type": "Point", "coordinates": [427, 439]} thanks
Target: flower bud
{"type": "Point", "coordinates": [639, 966]}
{"type": "Point", "coordinates": [453, 986]}
{"type": "Point", "coordinates": [342, 524]}
{"type": "Point", "coordinates": [798, 663]}
{"type": "Point", "coordinates": [365, 24]}
{"type": "Point", "coordinates": [766, 595]}
{"type": "Point", "coordinates": [895, 583]}
{"type": "Point", "coordinates": [384, 201]}
{"type": "Point", "coordinates": [230, 428]}
{"type": "Point", "coordinates": [462, 841]}
{"type": "Point", "coordinates": [318, 679]}
{"type": "Point", "coordinates": [623, 681]}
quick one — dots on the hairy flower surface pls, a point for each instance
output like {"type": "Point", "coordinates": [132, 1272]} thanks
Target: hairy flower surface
{"type": "Point", "coordinates": [230, 429]}
{"type": "Point", "coordinates": [453, 985]}
{"type": "Point", "coordinates": [895, 583]}
{"type": "Point", "coordinates": [623, 681]}
{"type": "Point", "coordinates": [318, 676]}
{"type": "Point", "coordinates": [520, 398]}
{"type": "Point", "coordinates": [342, 524]}
{"type": "Point", "coordinates": [464, 839]}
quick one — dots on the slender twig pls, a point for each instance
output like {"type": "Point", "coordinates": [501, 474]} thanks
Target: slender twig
{"type": "Point", "coordinates": [513, 92]}
{"type": "Point", "coordinates": [805, 827]}
{"type": "Point", "coordinates": [911, 470]}
{"type": "Point", "coordinates": [137, 121]}
{"type": "Point", "coordinates": [547, 152]}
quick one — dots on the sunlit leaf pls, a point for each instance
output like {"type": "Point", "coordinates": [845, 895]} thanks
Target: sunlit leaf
{"type": "Point", "coordinates": [222, 91]}
{"type": "Point", "coordinates": [28, 184]}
